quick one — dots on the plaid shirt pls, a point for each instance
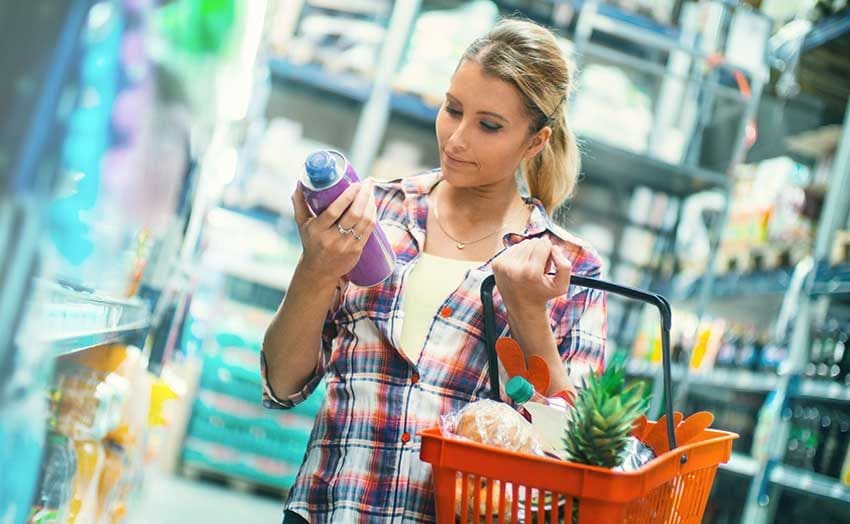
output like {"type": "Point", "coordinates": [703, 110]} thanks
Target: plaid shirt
{"type": "Point", "coordinates": [362, 463]}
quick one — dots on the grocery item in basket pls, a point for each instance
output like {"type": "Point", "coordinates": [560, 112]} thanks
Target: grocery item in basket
{"type": "Point", "coordinates": [494, 423]}
{"type": "Point", "coordinates": [634, 455]}
{"type": "Point", "coordinates": [603, 417]}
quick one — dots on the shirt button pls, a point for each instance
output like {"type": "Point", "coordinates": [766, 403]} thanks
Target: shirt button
{"type": "Point", "coordinates": [405, 437]}
{"type": "Point", "coordinates": [414, 378]}
{"type": "Point", "coordinates": [446, 312]}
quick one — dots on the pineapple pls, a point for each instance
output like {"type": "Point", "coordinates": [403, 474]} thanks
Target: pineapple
{"type": "Point", "coordinates": [601, 421]}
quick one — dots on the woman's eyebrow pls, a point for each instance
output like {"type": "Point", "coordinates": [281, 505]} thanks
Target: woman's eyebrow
{"type": "Point", "coordinates": [454, 100]}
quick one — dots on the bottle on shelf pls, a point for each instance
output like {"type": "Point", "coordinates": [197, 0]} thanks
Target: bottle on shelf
{"type": "Point", "coordinates": [815, 351]}
{"type": "Point", "coordinates": [839, 468]}
{"type": "Point", "coordinates": [53, 497]}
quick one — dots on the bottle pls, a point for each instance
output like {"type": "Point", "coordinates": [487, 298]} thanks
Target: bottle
{"type": "Point", "coordinates": [842, 445]}
{"type": "Point", "coordinates": [825, 362]}
{"type": "Point", "coordinates": [84, 503]}
{"type": "Point", "coordinates": [326, 175]}
{"type": "Point", "coordinates": [548, 416]}
{"type": "Point", "coordinates": [746, 351]}
{"type": "Point", "coordinates": [835, 371]}
{"type": "Point", "coordinates": [826, 443]}
{"type": "Point", "coordinates": [815, 352]}
{"type": "Point", "coordinates": [728, 349]}
{"type": "Point", "coordinates": [53, 497]}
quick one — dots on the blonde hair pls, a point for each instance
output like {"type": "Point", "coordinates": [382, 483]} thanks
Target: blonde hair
{"type": "Point", "coordinates": [527, 56]}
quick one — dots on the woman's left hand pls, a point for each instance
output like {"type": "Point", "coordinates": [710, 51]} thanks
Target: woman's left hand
{"type": "Point", "coordinates": [522, 278]}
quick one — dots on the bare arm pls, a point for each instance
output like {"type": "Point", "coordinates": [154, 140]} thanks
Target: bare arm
{"type": "Point", "coordinates": [293, 340]}
{"type": "Point", "coordinates": [525, 286]}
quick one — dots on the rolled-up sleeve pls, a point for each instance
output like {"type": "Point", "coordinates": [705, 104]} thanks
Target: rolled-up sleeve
{"type": "Point", "coordinates": [329, 333]}
{"type": "Point", "coordinates": [581, 331]}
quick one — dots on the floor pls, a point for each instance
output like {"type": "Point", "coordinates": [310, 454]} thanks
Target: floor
{"type": "Point", "coordinates": [167, 499]}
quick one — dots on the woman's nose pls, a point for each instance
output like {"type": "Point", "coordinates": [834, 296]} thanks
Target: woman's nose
{"type": "Point", "coordinates": [457, 139]}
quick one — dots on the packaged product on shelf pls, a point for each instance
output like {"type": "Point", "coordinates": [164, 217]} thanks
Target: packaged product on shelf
{"type": "Point", "coordinates": [609, 98]}
{"type": "Point", "coordinates": [90, 462]}
{"type": "Point", "coordinates": [342, 44]}
{"type": "Point", "coordinates": [53, 498]}
{"type": "Point", "coordinates": [116, 483]}
{"type": "Point", "coordinates": [845, 469]}
{"type": "Point", "coordinates": [429, 63]}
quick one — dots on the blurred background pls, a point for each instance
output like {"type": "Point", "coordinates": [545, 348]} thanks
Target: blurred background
{"type": "Point", "coordinates": [148, 151]}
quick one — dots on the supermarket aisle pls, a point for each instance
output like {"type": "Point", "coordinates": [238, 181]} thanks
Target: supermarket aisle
{"type": "Point", "coordinates": [176, 500]}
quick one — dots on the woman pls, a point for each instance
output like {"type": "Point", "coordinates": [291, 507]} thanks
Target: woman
{"type": "Point", "coordinates": [398, 355]}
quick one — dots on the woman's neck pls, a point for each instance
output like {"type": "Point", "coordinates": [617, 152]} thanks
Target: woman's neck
{"type": "Point", "coordinates": [478, 207]}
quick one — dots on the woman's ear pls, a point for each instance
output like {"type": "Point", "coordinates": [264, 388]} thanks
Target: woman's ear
{"type": "Point", "coordinates": [538, 142]}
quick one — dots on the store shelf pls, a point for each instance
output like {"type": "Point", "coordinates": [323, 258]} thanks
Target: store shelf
{"type": "Point", "coordinates": [69, 320]}
{"type": "Point", "coordinates": [615, 13]}
{"type": "Point", "coordinates": [632, 19]}
{"type": "Point", "coordinates": [609, 164]}
{"type": "Point", "coordinates": [733, 285]}
{"type": "Point", "coordinates": [344, 85]}
{"type": "Point", "coordinates": [832, 280]}
{"type": "Point", "coordinates": [741, 464]}
{"type": "Point", "coordinates": [264, 274]}
{"type": "Point", "coordinates": [813, 483]}
{"type": "Point", "coordinates": [602, 163]}
{"type": "Point", "coordinates": [823, 389]}
{"type": "Point", "coordinates": [826, 30]}
{"type": "Point", "coordinates": [735, 379]}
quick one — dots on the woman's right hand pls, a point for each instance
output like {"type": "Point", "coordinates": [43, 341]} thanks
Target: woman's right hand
{"type": "Point", "coordinates": [328, 254]}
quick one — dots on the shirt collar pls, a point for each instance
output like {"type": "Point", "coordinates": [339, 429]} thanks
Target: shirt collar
{"type": "Point", "coordinates": [416, 189]}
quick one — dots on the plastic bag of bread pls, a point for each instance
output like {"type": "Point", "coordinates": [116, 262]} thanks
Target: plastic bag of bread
{"type": "Point", "coordinates": [494, 423]}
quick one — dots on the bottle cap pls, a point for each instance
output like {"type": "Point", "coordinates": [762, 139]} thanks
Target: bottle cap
{"type": "Point", "coordinates": [321, 169]}
{"type": "Point", "coordinates": [519, 389]}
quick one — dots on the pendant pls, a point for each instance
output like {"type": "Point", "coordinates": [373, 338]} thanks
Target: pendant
{"type": "Point", "coordinates": [460, 245]}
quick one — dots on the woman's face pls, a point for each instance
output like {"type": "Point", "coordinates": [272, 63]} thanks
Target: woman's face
{"type": "Point", "coordinates": [483, 129]}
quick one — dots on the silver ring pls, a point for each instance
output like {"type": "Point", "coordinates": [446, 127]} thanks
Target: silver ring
{"type": "Point", "coordinates": [348, 231]}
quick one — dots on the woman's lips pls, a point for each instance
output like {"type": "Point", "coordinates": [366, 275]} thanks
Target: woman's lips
{"type": "Point", "coordinates": [453, 161]}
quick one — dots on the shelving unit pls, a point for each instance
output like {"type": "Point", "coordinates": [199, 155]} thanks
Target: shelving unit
{"type": "Point", "coordinates": [741, 464]}
{"type": "Point", "coordinates": [69, 320]}
{"type": "Point", "coordinates": [771, 283]}
{"type": "Point", "coordinates": [827, 30]}
{"type": "Point", "coordinates": [826, 283]}
{"type": "Point", "coordinates": [810, 483]}
{"type": "Point", "coordinates": [821, 389]}
{"type": "Point", "coordinates": [732, 379]}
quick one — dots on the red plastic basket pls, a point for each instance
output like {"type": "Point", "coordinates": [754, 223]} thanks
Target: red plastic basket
{"type": "Point", "coordinates": [667, 490]}
{"type": "Point", "coordinates": [481, 483]}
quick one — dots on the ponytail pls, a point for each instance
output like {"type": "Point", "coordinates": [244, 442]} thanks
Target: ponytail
{"type": "Point", "coordinates": [528, 56]}
{"type": "Point", "coordinates": [551, 175]}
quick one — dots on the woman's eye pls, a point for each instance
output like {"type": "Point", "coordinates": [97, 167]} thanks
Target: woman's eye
{"type": "Point", "coordinates": [490, 126]}
{"type": "Point", "coordinates": [452, 111]}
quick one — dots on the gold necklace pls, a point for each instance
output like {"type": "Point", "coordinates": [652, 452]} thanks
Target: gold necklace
{"type": "Point", "coordinates": [460, 244]}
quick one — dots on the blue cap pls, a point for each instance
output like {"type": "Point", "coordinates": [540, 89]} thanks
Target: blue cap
{"type": "Point", "coordinates": [321, 169]}
{"type": "Point", "coordinates": [519, 389]}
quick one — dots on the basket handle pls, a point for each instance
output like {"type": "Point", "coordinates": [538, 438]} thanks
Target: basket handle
{"type": "Point", "coordinates": [576, 280]}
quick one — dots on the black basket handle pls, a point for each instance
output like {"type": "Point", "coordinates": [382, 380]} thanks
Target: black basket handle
{"type": "Point", "coordinates": [576, 280]}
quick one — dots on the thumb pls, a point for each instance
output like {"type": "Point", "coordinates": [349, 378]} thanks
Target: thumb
{"type": "Point", "coordinates": [563, 270]}
{"type": "Point", "coordinates": [302, 212]}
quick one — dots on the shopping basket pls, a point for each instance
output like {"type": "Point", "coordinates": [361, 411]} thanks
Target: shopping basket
{"type": "Point", "coordinates": [482, 483]}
